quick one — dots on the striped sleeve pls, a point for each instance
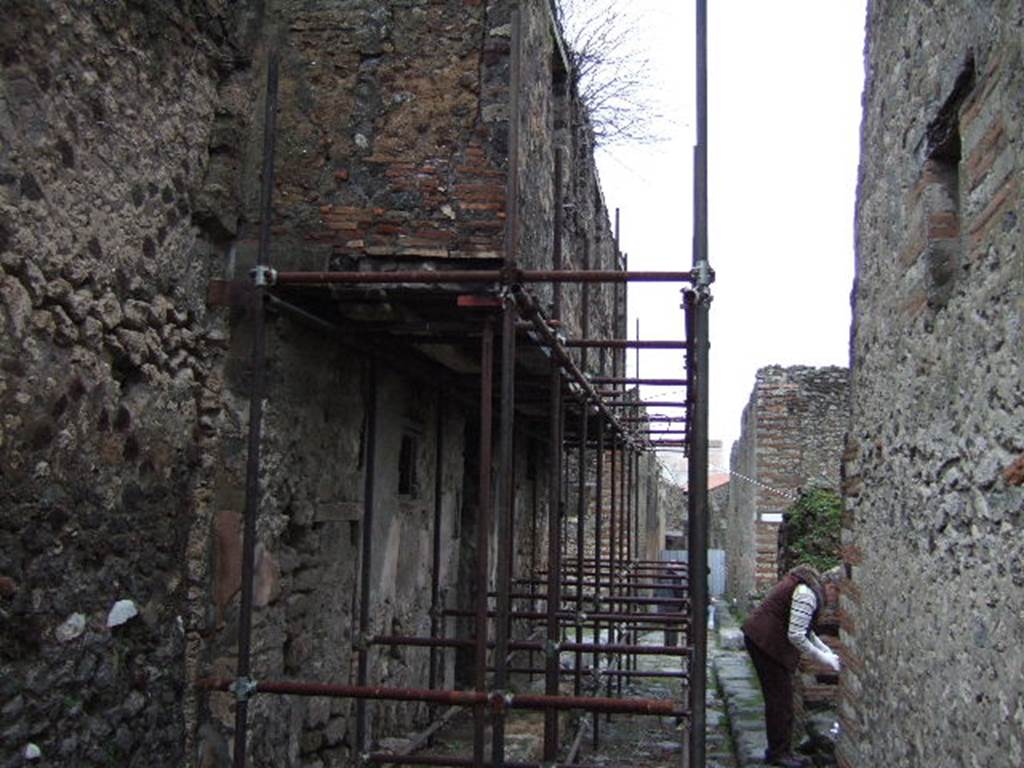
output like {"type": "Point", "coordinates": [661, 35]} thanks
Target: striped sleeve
{"type": "Point", "coordinates": [801, 610]}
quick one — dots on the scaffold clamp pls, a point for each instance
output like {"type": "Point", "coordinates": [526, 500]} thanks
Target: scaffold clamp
{"type": "Point", "coordinates": [244, 688]}
{"type": "Point", "coordinates": [263, 276]}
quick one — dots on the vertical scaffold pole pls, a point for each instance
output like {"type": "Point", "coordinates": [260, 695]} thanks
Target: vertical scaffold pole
{"type": "Point", "coordinates": [698, 305]}
{"type": "Point", "coordinates": [581, 511]}
{"type": "Point", "coordinates": [483, 535]}
{"type": "Point", "coordinates": [256, 395]}
{"type": "Point", "coordinates": [366, 559]}
{"type": "Point", "coordinates": [506, 486]}
{"type": "Point", "coordinates": [436, 620]}
{"type": "Point", "coordinates": [598, 505]}
{"type": "Point", "coordinates": [554, 594]}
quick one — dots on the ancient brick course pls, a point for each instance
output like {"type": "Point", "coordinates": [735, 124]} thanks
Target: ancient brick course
{"type": "Point", "coordinates": [792, 437]}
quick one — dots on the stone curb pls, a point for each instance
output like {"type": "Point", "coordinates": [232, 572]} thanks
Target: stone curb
{"type": "Point", "coordinates": [741, 692]}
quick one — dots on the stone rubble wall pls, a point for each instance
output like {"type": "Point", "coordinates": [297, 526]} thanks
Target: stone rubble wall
{"type": "Point", "coordinates": [129, 178]}
{"type": "Point", "coordinates": [646, 493]}
{"type": "Point", "coordinates": [932, 612]}
{"type": "Point", "coordinates": [112, 368]}
{"type": "Point", "coordinates": [792, 437]}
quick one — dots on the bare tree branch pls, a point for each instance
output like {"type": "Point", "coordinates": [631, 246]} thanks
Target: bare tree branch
{"type": "Point", "coordinates": [612, 70]}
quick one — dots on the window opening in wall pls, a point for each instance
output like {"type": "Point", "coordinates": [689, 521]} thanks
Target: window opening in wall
{"type": "Point", "coordinates": [408, 459]}
{"type": "Point", "coordinates": [941, 192]}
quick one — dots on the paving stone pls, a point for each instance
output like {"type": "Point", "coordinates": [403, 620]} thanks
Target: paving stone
{"type": "Point", "coordinates": [730, 639]}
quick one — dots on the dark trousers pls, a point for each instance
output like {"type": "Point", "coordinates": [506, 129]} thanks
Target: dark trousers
{"type": "Point", "coordinates": [777, 687]}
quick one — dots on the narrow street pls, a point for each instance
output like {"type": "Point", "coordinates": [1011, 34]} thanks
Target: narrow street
{"type": "Point", "coordinates": [646, 742]}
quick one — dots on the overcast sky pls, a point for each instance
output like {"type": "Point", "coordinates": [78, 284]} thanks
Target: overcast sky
{"type": "Point", "coordinates": [785, 81]}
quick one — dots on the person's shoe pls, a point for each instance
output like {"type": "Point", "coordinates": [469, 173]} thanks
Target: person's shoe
{"type": "Point", "coordinates": [788, 761]}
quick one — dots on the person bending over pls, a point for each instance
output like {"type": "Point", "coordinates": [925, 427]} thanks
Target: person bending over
{"type": "Point", "coordinates": [779, 630]}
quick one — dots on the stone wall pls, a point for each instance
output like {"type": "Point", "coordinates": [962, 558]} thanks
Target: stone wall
{"type": "Point", "coordinates": [791, 437]}
{"type": "Point", "coordinates": [933, 466]}
{"type": "Point", "coordinates": [129, 176]}
{"type": "Point", "coordinates": [645, 510]}
{"type": "Point", "coordinates": [111, 368]}
{"type": "Point", "coordinates": [678, 517]}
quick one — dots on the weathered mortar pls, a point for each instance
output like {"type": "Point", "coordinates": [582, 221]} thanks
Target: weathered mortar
{"type": "Point", "coordinates": [111, 368]}
{"type": "Point", "coordinates": [792, 436]}
{"type": "Point", "coordinates": [129, 179]}
{"type": "Point", "coordinates": [932, 617]}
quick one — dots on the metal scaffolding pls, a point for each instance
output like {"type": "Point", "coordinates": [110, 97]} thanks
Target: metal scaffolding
{"type": "Point", "coordinates": [601, 586]}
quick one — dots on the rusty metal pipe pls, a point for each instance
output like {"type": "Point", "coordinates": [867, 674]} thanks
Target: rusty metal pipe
{"type": "Point", "coordinates": [618, 403]}
{"type": "Point", "coordinates": [599, 568]}
{"type": "Point", "coordinates": [569, 616]}
{"type": "Point", "coordinates": [590, 671]}
{"type": "Point", "coordinates": [479, 276]}
{"type": "Point", "coordinates": [581, 509]}
{"type": "Point", "coordinates": [656, 584]}
{"type": "Point", "coordinates": [554, 593]}
{"type": "Point", "coordinates": [526, 645]}
{"type": "Point", "coordinates": [610, 600]}
{"type": "Point", "coordinates": [633, 381]}
{"type": "Point", "coordinates": [435, 550]}
{"type": "Point", "coordinates": [366, 551]}
{"type": "Point", "coordinates": [528, 306]}
{"type": "Point", "coordinates": [385, 758]}
{"type": "Point", "coordinates": [506, 486]}
{"type": "Point", "coordinates": [490, 699]}
{"type": "Point", "coordinates": [483, 530]}
{"type": "Point", "coordinates": [625, 344]}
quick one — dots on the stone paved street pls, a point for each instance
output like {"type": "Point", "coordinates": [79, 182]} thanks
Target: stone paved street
{"type": "Point", "coordinates": [651, 742]}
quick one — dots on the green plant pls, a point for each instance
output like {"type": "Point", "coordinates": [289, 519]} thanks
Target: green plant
{"type": "Point", "coordinates": [812, 529]}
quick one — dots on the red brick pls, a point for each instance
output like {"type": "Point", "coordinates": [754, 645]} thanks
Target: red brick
{"type": "Point", "coordinates": [943, 225]}
{"type": "Point", "coordinates": [851, 554]}
{"type": "Point", "coordinates": [981, 158]}
{"type": "Point", "coordinates": [1014, 474]}
{"type": "Point", "coordinates": [982, 222]}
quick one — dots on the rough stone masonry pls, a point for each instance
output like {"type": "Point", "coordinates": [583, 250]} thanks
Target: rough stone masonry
{"type": "Point", "coordinates": [129, 167]}
{"type": "Point", "coordinates": [791, 438]}
{"type": "Point", "coordinates": [933, 613]}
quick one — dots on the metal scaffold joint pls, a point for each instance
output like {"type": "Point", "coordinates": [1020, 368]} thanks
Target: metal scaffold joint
{"type": "Point", "coordinates": [244, 688]}
{"type": "Point", "coordinates": [263, 276]}
{"type": "Point", "coordinates": [552, 649]}
{"type": "Point", "coordinates": [704, 275]}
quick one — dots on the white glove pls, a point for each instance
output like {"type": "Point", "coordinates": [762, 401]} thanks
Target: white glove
{"type": "Point", "coordinates": [827, 659]}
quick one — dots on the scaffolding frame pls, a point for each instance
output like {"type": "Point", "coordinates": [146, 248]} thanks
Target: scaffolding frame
{"type": "Point", "coordinates": [608, 593]}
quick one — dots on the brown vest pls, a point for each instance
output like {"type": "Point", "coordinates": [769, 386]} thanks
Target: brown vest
{"type": "Point", "coordinates": [768, 625]}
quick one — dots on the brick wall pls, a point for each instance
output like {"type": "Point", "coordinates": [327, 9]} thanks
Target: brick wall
{"type": "Point", "coordinates": [792, 433]}
{"type": "Point", "coordinates": [929, 619]}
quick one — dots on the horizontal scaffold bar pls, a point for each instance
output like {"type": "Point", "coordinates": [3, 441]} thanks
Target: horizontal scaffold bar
{"type": "Point", "coordinates": [450, 761]}
{"type": "Point", "coordinates": [531, 645]}
{"type": "Point", "coordinates": [622, 581]}
{"type": "Point", "coordinates": [635, 381]}
{"type": "Point", "coordinates": [646, 403]}
{"type": "Point", "coordinates": [624, 344]}
{"type": "Point", "coordinates": [670, 620]}
{"type": "Point", "coordinates": [495, 700]}
{"type": "Point", "coordinates": [476, 276]}
{"type": "Point", "coordinates": [653, 419]}
{"type": "Point", "coordinates": [570, 598]}
{"type": "Point", "coordinates": [589, 672]}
